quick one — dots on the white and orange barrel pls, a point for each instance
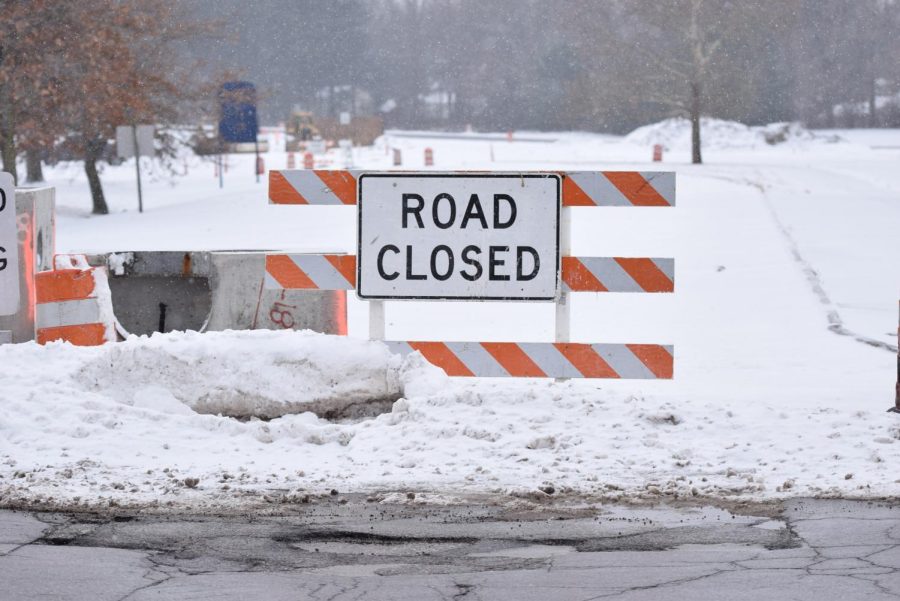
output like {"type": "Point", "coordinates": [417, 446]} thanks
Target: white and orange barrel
{"type": "Point", "coordinates": [291, 162]}
{"type": "Point", "coordinates": [73, 303]}
{"type": "Point", "coordinates": [657, 153]}
{"type": "Point", "coordinates": [308, 161]}
{"type": "Point", "coordinates": [429, 157]}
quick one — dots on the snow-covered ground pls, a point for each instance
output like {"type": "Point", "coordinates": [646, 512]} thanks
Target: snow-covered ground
{"type": "Point", "coordinates": [787, 278]}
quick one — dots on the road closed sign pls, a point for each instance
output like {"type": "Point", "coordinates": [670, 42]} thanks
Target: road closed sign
{"type": "Point", "coordinates": [9, 260]}
{"type": "Point", "coordinates": [458, 236]}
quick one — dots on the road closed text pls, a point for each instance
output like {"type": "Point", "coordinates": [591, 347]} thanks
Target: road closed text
{"type": "Point", "coordinates": [449, 236]}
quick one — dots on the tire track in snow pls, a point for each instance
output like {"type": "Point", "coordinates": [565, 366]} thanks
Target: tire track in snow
{"type": "Point", "coordinates": [835, 323]}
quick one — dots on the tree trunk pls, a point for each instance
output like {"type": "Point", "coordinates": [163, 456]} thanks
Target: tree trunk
{"type": "Point", "coordinates": [873, 104]}
{"type": "Point", "coordinates": [8, 151]}
{"type": "Point", "coordinates": [7, 126]}
{"type": "Point", "coordinates": [7, 134]}
{"type": "Point", "coordinates": [696, 156]}
{"type": "Point", "coordinates": [828, 108]}
{"type": "Point", "coordinates": [331, 91]}
{"type": "Point", "coordinates": [34, 171]}
{"type": "Point", "coordinates": [93, 150]}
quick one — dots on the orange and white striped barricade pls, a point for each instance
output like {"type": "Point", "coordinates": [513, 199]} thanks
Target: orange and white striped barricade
{"type": "Point", "coordinates": [579, 188]}
{"type": "Point", "coordinates": [560, 359]}
{"type": "Point", "coordinates": [73, 303]}
{"type": "Point", "coordinates": [545, 359]}
{"type": "Point", "coordinates": [487, 359]}
{"type": "Point", "coordinates": [579, 274]}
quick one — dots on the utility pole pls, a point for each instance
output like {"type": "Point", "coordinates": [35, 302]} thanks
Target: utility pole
{"type": "Point", "coordinates": [137, 166]}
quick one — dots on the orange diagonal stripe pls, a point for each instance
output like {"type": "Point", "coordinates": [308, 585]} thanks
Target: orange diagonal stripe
{"type": "Point", "coordinates": [282, 192]}
{"type": "Point", "coordinates": [286, 273]}
{"type": "Point", "coordinates": [346, 266]}
{"type": "Point", "coordinates": [636, 189]}
{"type": "Point", "coordinates": [342, 183]}
{"type": "Point", "coordinates": [586, 360]}
{"type": "Point", "coordinates": [647, 275]}
{"type": "Point", "coordinates": [579, 277]}
{"type": "Point", "coordinates": [656, 358]}
{"type": "Point", "coordinates": [63, 285]}
{"type": "Point", "coordinates": [513, 359]}
{"type": "Point", "coordinates": [438, 354]}
{"type": "Point", "coordinates": [573, 195]}
{"type": "Point", "coordinates": [92, 334]}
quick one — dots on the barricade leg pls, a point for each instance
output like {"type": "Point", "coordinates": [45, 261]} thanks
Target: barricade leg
{"type": "Point", "coordinates": [896, 407]}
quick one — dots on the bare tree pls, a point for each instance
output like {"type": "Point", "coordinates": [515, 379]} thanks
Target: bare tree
{"type": "Point", "coordinates": [685, 38]}
{"type": "Point", "coordinates": [124, 70]}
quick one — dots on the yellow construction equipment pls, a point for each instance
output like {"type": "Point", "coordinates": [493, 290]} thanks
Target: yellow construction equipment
{"type": "Point", "coordinates": [300, 130]}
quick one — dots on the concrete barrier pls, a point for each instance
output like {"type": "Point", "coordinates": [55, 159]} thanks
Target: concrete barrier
{"type": "Point", "coordinates": [36, 225]}
{"type": "Point", "coordinates": [211, 291]}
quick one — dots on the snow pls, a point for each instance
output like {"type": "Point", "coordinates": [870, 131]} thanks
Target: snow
{"type": "Point", "coordinates": [719, 134]}
{"type": "Point", "coordinates": [117, 262]}
{"type": "Point", "coordinates": [786, 276]}
{"type": "Point", "coordinates": [263, 374]}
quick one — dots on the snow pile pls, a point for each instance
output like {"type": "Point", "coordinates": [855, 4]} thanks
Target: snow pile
{"type": "Point", "coordinates": [719, 134]}
{"type": "Point", "coordinates": [260, 374]}
{"type": "Point", "coordinates": [117, 425]}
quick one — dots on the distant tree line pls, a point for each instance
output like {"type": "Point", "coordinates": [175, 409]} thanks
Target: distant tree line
{"type": "Point", "coordinates": [71, 71]}
{"type": "Point", "coordinates": [597, 65]}
{"type": "Point", "coordinates": [616, 64]}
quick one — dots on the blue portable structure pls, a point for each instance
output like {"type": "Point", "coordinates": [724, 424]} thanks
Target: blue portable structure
{"type": "Point", "coordinates": [238, 122]}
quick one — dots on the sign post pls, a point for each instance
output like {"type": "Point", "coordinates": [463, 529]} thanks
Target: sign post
{"type": "Point", "coordinates": [9, 251]}
{"type": "Point", "coordinates": [238, 122]}
{"type": "Point", "coordinates": [135, 141]}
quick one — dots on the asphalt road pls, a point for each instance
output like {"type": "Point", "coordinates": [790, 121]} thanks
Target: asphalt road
{"type": "Point", "coordinates": [358, 549]}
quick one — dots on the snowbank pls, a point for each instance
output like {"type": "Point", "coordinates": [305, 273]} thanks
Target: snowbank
{"type": "Point", "coordinates": [120, 425]}
{"type": "Point", "coordinates": [719, 134]}
{"type": "Point", "coordinates": [259, 374]}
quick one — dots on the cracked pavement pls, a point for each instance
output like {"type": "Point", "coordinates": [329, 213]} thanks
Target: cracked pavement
{"type": "Point", "coordinates": [357, 548]}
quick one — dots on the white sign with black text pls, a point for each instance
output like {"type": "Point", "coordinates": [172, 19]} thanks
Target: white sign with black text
{"type": "Point", "coordinates": [458, 236]}
{"type": "Point", "coordinates": [9, 247]}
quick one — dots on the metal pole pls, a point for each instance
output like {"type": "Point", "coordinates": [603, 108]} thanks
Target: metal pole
{"type": "Point", "coordinates": [376, 320]}
{"type": "Point", "coordinates": [896, 407]}
{"type": "Point", "coordinates": [563, 304]}
{"type": "Point", "coordinates": [137, 166]}
{"type": "Point", "coordinates": [221, 169]}
{"type": "Point", "coordinates": [256, 162]}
